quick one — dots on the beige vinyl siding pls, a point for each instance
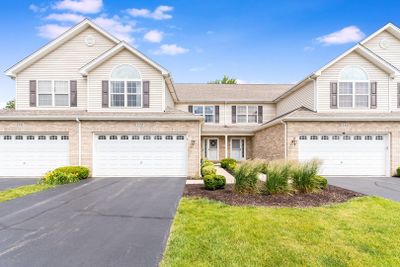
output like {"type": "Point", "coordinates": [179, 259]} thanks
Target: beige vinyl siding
{"type": "Point", "coordinates": [62, 64]}
{"type": "Point", "coordinates": [303, 97]}
{"type": "Point", "coordinates": [148, 73]}
{"type": "Point", "coordinates": [393, 93]}
{"type": "Point", "coordinates": [169, 102]}
{"type": "Point", "coordinates": [391, 53]}
{"type": "Point", "coordinates": [332, 73]}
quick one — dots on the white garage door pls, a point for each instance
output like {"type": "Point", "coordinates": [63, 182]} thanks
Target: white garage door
{"type": "Point", "coordinates": [140, 155]}
{"type": "Point", "coordinates": [32, 155]}
{"type": "Point", "coordinates": [346, 154]}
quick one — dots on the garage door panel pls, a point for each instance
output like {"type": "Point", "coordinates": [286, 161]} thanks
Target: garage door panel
{"type": "Point", "coordinates": [346, 155]}
{"type": "Point", "coordinates": [27, 156]}
{"type": "Point", "coordinates": [140, 157]}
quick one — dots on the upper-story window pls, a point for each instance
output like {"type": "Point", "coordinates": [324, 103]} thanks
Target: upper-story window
{"type": "Point", "coordinates": [53, 93]}
{"type": "Point", "coordinates": [353, 88]}
{"type": "Point", "coordinates": [125, 87]}
{"type": "Point", "coordinates": [207, 112]}
{"type": "Point", "coordinates": [246, 114]}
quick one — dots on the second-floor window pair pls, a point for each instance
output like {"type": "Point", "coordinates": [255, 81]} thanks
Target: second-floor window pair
{"type": "Point", "coordinates": [52, 93]}
{"type": "Point", "coordinates": [208, 113]}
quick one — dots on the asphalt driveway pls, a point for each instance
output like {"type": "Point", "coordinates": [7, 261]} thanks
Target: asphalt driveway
{"type": "Point", "coordinates": [7, 183]}
{"type": "Point", "coordinates": [388, 187]}
{"type": "Point", "coordinates": [99, 222]}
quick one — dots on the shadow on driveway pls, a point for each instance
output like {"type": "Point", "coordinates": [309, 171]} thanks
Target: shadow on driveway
{"type": "Point", "coordinates": [388, 187]}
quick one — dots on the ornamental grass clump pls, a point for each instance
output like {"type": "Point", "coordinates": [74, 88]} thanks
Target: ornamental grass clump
{"type": "Point", "coordinates": [246, 177]}
{"type": "Point", "coordinates": [305, 178]}
{"type": "Point", "coordinates": [278, 178]}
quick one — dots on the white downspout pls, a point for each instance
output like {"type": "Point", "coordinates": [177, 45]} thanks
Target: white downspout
{"type": "Point", "coordinates": [285, 126]}
{"type": "Point", "coordinates": [79, 141]}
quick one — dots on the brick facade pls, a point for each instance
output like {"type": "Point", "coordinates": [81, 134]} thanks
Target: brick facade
{"type": "Point", "coordinates": [269, 143]}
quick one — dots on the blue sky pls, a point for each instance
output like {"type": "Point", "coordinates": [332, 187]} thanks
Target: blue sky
{"type": "Point", "coordinates": [254, 41]}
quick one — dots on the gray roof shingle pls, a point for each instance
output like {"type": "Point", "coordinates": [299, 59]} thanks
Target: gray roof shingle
{"type": "Point", "coordinates": [208, 92]}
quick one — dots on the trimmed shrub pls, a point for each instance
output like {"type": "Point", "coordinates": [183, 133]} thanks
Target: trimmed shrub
{"type": "Point", "coordinates": [214, 182]}
{"type": "Point", "coordinates": [229, 164]}
{"type": "Point", "coordinates": [206, 163]}
{"type": "Point", "coordinates": [246, 177]}
{"type": "Point", "coordinates": [65, 175]}
{"type": "Point", "coordinates": [56, 178]}
{"type": "Point", "coordinates": [398, 171]}
{"type": "Point", "coordinates": [208, 170]}
{"type": "Point", "coordinates": [304, 176]}
{"type": "Point", "coordinates": [278, 176]}
{"type": "Point", "coordinates": [79, 171]}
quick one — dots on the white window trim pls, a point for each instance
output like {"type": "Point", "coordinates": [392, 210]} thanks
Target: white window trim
{"type": "Point", "coordinates": [126, 93]}
{"type": "Point", "coordinates": [53, 102]}
{"type": "Point", "coordinates": [244, 147]}
{"type": "Point", "coordinates": [354, 93]}
{"type": "Point", "coordinates": [247, 114]}
{"type": "Point", "coordinates": [204, 112]}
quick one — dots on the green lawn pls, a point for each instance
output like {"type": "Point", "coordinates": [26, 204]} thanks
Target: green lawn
{"type": "Point", "coordinates": [362, 232]}
{"type": "Point", "coordinates": [22, 191]}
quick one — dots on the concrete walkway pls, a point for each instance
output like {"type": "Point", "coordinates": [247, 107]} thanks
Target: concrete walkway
{"type": "Point", "coordinates": [220, 171]}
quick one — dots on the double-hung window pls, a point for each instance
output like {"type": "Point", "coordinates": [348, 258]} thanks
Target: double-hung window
{"type": "Point", "coordinates": [53, 93]}
{"type": "Point", "coordinates": [246, 114]}
{"type": "Point", "coordinates": [207, 112]}
{"type": "Point", "coordinates": [354, 94]}
{"type": "Point", "coordinates": [125, 87]}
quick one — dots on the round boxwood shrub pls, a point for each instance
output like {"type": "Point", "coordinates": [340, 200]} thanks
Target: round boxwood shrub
{"type": "Point", "coordinates": [398, 171]}
{"type": "Point", "coordinates": [206, 163]}
{"type": "Point", "coordinates": [214, 182]}
{"type": "Point", "coordinates": [80, 171]}
{"type": "Point", "coordinates": [208, 170]}
{"type": "Point", "coordinates": [65, 175]}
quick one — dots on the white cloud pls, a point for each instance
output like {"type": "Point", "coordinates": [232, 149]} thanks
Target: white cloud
{"type": "Point", "coordinates": [209, 32]}
{"type": "Point", "coordinates": [346, 35]}
{"type": "Point", "coordinates": [154, 36]}
{"type": "Point", "coordinates": [171, 50]}
{"type": "Point", "coordinates": [51, 31]}
{"type": "Point", "coordinates": [36, 8]}
{"type": "Point", "coordinates": [80, 6]}
{"type": "Point", "coordinates": [240, 81]}
{"type": "Point", "coordinates": [160, 13]}
{"type": "Point", "coordinates": [65, 17]}
{"type": "Point", "coordinates": [116, 27]}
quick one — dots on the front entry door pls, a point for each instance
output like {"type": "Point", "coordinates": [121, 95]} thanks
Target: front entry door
{"type": "Point", "coordinates": [238, 149]}
{"type": "Point", "coordinates": [211, 149]}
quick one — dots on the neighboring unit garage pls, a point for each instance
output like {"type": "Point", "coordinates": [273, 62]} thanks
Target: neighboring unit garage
{"type": "Point", "coordinates": [142, 155]}
{"type": "Point", "coordinates": [346, 154]}
{"type": "Point", "coordinates": [32, 155]}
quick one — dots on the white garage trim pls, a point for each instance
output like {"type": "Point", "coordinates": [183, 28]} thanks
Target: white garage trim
{"type": "Point", "coordinates": [348, 154]}
{"type": "Point", "coordinates": [32, 155]}
{"type": "Point", "coordinates": [140, 155]}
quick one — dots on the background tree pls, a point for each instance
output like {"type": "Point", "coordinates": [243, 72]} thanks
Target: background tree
{"type": "Point", "coordinates": [225, 80]}
{"type": "Point", "coordinates": [10, 104]}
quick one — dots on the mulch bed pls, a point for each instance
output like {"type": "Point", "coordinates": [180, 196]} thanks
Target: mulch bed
{"type": "Point", "coordinates": [330, 195]}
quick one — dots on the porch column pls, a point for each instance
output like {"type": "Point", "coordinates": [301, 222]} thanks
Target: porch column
{"type": "Point", "coordinates": [226, 146]}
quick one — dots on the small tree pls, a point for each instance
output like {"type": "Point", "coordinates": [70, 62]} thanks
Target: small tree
{"type": "Point", "coordinates": [10, 104]}
{"type": "Point", "coordinates": [225, 80]}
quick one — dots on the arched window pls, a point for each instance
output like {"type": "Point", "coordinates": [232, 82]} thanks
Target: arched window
{"type": "Point", "coordinates": [125, 87]}
{"type": "Point", "coordinates": [353, 73]}
{"type": "Point", "coordinates": [354, 88]}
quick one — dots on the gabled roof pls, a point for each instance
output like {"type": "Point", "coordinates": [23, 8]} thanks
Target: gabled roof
{"type": "Point", "coordinates": [231, 93]}
{"type": "Point", "coordinates": [56, 43]}
{"type": "Point", "coordinates": [113, 51]}
{"type": "Point", "coordinates": [390, 27]}
{"type": "Point", "coordinates": [361, 50]}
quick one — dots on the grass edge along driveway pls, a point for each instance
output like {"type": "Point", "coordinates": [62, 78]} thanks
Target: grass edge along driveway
{"type": "Point", "coordinates": [21, 191]}
{"type": "Point", "coordinates": [361, 232]}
